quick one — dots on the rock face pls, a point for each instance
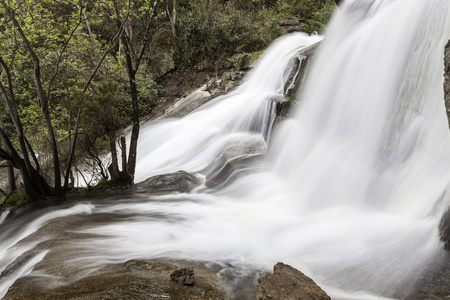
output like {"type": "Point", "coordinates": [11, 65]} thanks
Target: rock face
{"type": "Point", "coordinates": [287, 283]}
{"type": "Point", "coordinates": [444, 226]}
{"type": "Point", "coordinates": [180, 181]}
{"type": "Point", "coordinates": [293, 86]}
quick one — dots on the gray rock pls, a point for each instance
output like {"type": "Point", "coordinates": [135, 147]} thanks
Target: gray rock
{"type": "Point", "coordinates": [287, 283]}
{"type": "Point", "coordinates": [135, 279]}
{"type": "Point", "coordinates": [447, 80]}
{"type": "Point", "coordinates": [179, 181]}
{"type": "Point", "coordinates": [293, 86]}
{"type": "Point", "coordinates": [187, 104]}
{"type": "Point", "coordinates": [444, 229]}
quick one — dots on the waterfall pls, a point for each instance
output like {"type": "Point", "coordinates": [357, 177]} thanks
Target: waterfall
{"type": "Point", "coordinates": [350, 190]}
{"type": "Point", "coordinates": [193, 142]}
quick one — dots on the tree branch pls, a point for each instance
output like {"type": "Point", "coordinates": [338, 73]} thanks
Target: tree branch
{"type": "Point", "coordinates": [62, 52]}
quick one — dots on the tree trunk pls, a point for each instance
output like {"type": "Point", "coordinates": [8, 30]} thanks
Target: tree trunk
{"type": "Point", "coordinates": [123, 147]}
{"type": "Point", "coordinates": [11, 180]}
{"type": "Point", "coordinates": [172, 14]}
{"type": "Point", "coordinates": [43, 100]}
{"type": "Point", "coordinates": [135, 130]}
{"type": "Point", "coordinates": [114, 167]}
{"type": "Point", "coordinates": [131, 166]}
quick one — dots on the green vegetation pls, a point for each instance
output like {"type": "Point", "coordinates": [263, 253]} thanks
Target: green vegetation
{"type": "Point", "coordinates": [15, 199]}
{"type": "Point", "coordinates": [73, 73]}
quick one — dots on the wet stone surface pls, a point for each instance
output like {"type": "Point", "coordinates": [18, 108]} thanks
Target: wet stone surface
{"type": "Point", "coordinates": [135, 279]}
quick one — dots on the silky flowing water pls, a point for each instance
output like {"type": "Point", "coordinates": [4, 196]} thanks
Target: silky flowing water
{"type": "Point", "coordinates": [350, 190]}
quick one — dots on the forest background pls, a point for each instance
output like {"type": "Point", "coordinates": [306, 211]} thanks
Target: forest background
{"type": "Point", "coordinates": [74, 73]}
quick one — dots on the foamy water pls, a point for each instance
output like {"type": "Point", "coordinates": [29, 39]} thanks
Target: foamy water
{"type": "Point", "coordinates": [352, 187]}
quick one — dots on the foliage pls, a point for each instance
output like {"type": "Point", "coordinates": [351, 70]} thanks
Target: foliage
{"type": "Point", "coordinates": [18, 198]}
{"type": "Point", "coordinates": [71, 39]}
{"type": "Point", "coordinates": [206, 36]}
{"type": "Point", "coordinates": [315, 14]}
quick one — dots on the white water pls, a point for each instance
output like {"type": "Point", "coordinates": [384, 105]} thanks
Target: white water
{"type": "Point", "coordinates": [354, 185]}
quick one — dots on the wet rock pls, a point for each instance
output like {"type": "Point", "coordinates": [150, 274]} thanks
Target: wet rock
{"type": "Point", "coordinates": [447, 80]}
{"type": "Point", "coordinates": [444, 229]}
{"type": "Point", "coordinates": [287, 283]}
{"type": "Point", "coordinates": [431, 283]}
{"type": "Point", "coordinates": [180, 181]}
{"type": "Point", "coordinates": [135, 279]}
{"type": "Point", "coordinates": [184, 276]}
{"type": "Point", "coordinates": [240, 153]}
{"type": "Point", "coordinates": [299, 69]}
{"type": "Point", "coordinates": [283, 105]}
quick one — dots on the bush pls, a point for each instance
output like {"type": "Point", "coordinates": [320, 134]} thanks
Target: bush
{"type": "Point", "coordinates": [206, 36]}
{"type": "Point", "coordinates": [18, 198]}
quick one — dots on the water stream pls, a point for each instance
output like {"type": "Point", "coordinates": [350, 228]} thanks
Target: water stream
{"type": "Point", "coordinates": [350, 190]}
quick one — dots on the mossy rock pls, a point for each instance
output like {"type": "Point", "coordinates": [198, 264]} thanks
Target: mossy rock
{"type": "Point", "coordinates": [248, 60]}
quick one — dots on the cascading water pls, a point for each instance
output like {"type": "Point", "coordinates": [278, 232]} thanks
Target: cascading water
{"type": "Point", "coordinates": [193, 142]}
{"type": "Point", "coordinates": [352, 188]}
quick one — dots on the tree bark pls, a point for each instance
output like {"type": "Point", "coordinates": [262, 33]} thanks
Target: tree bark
{"type": "Point", "coordinates": [123, 147]}
{"type": "Point", "coordinates": [114, 167]}
{"type": "Point", "coordinates": [11, 179]}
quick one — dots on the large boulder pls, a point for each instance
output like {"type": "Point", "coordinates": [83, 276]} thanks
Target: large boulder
{"type": "Point", "coordinates": [288, 283]}
{"type": "Point", "coordinates": [180, 181]}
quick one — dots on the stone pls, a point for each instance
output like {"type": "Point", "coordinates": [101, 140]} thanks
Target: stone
{"type": "Point", "coordinates": [180, 181]}
{"type": "Point", "coordinates": [188, 103]}
{"type": "Point", "coordinates": [444, 229]}
{"type": "Point", "coordinates": [135, 279]}
{"type": "Point", "coordinates": [288, 283]}
{"type": "Point", "coordinates": [184, 276]}
{"type": "Point", "coordinates": [447, 80]}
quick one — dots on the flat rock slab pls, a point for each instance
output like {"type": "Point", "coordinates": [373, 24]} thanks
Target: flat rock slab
{"type": "Point", "coordinates": [135, 279]}
{"type": "Point", "coordinates": [288, 283]}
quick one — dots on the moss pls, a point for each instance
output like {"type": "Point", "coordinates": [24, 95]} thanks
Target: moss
{"type": "Point", "coordinates": [289, 98]}
{"type": "Point", "coordinates": [18, 198]}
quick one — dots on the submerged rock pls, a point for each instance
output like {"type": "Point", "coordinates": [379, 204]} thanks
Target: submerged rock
{"type": "Point", "coordinates": [288, 283]}
{"type": "Point", "coordinates": [180, 181]}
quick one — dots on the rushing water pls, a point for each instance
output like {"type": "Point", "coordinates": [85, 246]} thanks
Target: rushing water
{"type": "Point", "coordinates": [352, 188]}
